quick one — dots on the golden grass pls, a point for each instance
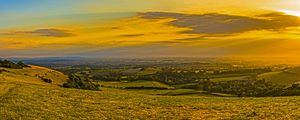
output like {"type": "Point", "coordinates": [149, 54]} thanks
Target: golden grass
{"type": "Point", "coordinates": [28, 75]}
{"type": "Point", "coordinates": [32, 99]}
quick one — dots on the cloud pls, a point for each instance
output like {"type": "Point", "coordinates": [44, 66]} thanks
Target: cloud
{"type": "Point", "coordinates": [214, 23]}
{"type": "Point", "coordinates": [51, 33]}
{"type": "Point", "coordinates": [132, 35]}
{"type": "Point", "coordinates": [205, 37]}
{"type": "Point", "coordinates": [43, 32]}
{"type": "Point", "coordinates": [191, 39]}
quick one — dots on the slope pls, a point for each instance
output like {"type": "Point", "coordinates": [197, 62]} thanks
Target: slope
{"type": "Point", "coordinates": [27, 97]}
{"type": "Point", "coordinates": [286, 77]}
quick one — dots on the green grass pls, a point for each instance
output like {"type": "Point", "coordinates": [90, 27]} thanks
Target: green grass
{"type": "Point", "coordinates": [175, 92]}
{"type": "Point", "coordinates": [180, 86]}
{"type": "Point", "coordinates": [30, 98]}
{"type": "Point", "coordinates": [229, 78]}
{"type": "Point", "coordinates": [134, 84]}
{"type": "Point", "coordinates": [185, 92]}
{"type": "Point", "coordinates": [148, 71]}
{"type": "Point", "coordinates": [287, 77]}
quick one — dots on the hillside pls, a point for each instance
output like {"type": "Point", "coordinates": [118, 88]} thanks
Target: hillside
{"type": "Point", "coordinates": [285, 77]}
{"type": "Point", "coordinates": [32, 75]}
{"type": "Point", "coordinates": [24, 96]}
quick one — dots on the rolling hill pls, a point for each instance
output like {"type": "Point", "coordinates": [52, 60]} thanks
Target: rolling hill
{"type": "Point", "coordinates": [285, 77]}
{"type": "Point", "coordinates": [25, 96]}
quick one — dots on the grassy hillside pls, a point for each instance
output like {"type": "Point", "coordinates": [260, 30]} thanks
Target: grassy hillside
{"type": "Point", "coordinates": [27, 97]}
{"type": "Point", "coordinates": [31, 75]}
{"type": "Point", "coordinates": [286, 77]}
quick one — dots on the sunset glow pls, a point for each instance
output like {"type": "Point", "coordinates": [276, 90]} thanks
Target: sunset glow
{"type": "Point", "coordinates": [95, 28]}
{"type": "Point", "coordinates": [150, 59]}
{"type": "Point", "coordinates": [290, 12]}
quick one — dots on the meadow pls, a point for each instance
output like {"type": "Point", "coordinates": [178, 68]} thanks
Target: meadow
{"type": "Point", "coordinates": [284, 77]}
{"type": "Point", "coordinates": [28, 97]}
{"type": "Point", "coordinates": [134, 84]}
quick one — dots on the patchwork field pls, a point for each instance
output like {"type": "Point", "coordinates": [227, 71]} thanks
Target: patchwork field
{"type": "Point", "coordinates": [135, 84]}
{"type": "Point", "coordinates": [286, 77]}
{"type": "Point", "coordinates": [27, 97]}
{"type": "Point", "coordinates": [229, 79]}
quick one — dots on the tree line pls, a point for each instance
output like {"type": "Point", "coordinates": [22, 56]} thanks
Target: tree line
{"type": "Point", "coordinates": [251, 88]}
{"type": "Point", "coordinates": [10, 64]}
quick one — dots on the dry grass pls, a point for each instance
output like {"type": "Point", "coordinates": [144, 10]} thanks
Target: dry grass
{"type": "Point", "coordinates": [32, 99]}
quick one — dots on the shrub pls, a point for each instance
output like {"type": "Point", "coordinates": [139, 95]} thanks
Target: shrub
{"type": "Point", "coordinates": [47, 80]}
{"type": "Point", "coordinates": [9, 64]}
{"type": "Point", "coordinates": [77, 82]}
{"type": "Point", "coordinates": [20, 63]}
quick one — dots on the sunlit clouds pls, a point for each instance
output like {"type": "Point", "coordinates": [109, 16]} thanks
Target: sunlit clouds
{"type": "Point", "coordinates": [152, 28]}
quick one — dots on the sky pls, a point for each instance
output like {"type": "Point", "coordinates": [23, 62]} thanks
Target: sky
{"type": "Point", "coordinates": [149, 28]}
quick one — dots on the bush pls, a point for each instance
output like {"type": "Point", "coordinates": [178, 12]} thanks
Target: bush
{"type": "Point", "coordinates": [20, 63]}
{"type": "Point", "coordinates": [77, 82]}
{"type": "Point", "coordinates": [47, 80]}
{"type": "Point", "coordinates": [9, 64]}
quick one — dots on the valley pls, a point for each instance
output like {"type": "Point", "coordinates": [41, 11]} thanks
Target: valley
{"type": "Point", "coordinates": [26, 96]}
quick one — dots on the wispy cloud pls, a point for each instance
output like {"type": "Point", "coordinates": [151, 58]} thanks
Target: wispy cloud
{"type": "Point", "coordinates": [226, 24]}
{"type": "Point", "coordinates": [132, 35]}
{"type": "Point", "coordinates": [43, 32]}
{"type": "Point", "coordinates": [51, 33]}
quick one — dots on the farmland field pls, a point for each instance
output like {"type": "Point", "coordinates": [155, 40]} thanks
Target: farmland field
{"type": "Point", "coordinates": [229, 79]}
{"type": "Point", "coordinates": [287, 77]}
{"type": "Point", "coordinates": [134, 84]}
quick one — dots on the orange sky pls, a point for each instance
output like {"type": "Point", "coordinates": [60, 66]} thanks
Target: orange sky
{"type": "Point", "coordinates": [132, 28]}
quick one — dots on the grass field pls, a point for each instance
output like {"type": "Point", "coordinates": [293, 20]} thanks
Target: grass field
{"type": "Point", "coordinates": [24, 97]}
{"type": "Point", "coordinates": [28, 75]}
{"type": "Point", "coordinates": [134, 84]}
{"type": "Point", "coordinates": [148, 71]}
{"type": "Point", "coordinates": [287, 77]}
{"type": "Point", "coordinates": [229, 79]}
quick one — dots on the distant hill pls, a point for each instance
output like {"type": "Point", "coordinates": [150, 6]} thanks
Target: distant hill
{"type": "Point", "coordinates": [285, 77]}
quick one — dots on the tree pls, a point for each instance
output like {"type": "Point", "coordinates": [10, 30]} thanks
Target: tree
{"type": "Point", "coordinates": [20, 63]}
{"type": "Point", "coordinates": [9, 64]}
{"type": "Point", "coordinates": [78, 82]}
